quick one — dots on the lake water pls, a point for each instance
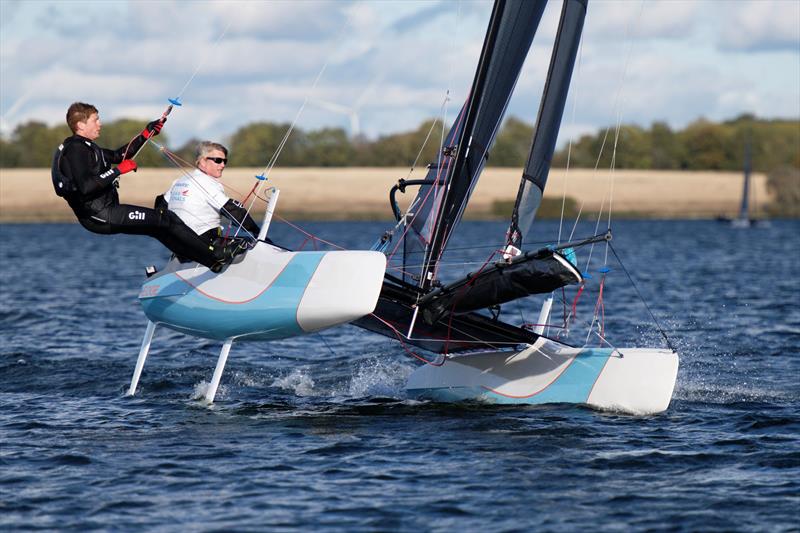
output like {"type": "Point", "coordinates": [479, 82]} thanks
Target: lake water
{"type": "Point", "coordinates": [316, 433]}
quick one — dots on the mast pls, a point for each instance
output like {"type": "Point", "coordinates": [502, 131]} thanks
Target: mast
{"type": "Point", "coordinates": [551, 110]}
{"type": "Point", "coordinates": [508, 39]}
{"type": "Point", "coordinates": [745, 208]}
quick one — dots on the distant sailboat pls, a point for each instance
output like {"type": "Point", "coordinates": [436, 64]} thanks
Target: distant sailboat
{"type": "Point", "coordinates": [744, 219]}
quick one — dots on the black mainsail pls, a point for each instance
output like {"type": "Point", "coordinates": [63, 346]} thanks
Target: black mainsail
{"type": "Point", "coordinates": [439, 205]}
{"type": "Point", "coordinates": [449, 321]}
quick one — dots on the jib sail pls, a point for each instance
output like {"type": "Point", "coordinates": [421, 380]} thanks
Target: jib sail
{"type": "Point", "coordinates": [551, 109]}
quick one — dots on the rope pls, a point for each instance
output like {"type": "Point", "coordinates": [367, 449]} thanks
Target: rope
{"type": "Point", "coordinates": [274, 159]}
{"type": "Point", "coordinates": [460, 294]}
{"type": "Point", "coordinates": [400, 338]}
{"type": "Point", "coordinates": [443, 112]}
{"type": "Point", "coordinates": [310, 236]}
{"type": "Point", "coordinates": [618, 104]}
{"type": "Point", "coordinates": [597, 305]}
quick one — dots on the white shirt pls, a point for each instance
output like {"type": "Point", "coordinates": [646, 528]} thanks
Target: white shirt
{"type": "Point", "coordinates": [197, 199]}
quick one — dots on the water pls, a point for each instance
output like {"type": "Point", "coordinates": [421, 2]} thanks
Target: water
{"type": "Point", "coordinates": [316, 433]}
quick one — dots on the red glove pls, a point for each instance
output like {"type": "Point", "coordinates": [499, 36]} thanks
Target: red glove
{"type": "Point", "coordinates": [126, 166]}
{"type": "Point", "coordinates": [153, 128]}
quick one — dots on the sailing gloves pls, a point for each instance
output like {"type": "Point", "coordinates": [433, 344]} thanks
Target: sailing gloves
{"type": "Point", "coordinates": [126, 166]}
{"type": "Point", "coordinates": [153, 128]}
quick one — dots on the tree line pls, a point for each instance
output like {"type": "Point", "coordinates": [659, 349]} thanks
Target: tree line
{"type": "Point", "coordinates": [702, 145]}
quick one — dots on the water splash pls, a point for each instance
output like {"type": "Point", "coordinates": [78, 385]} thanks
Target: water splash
{"type": "Point", "coordinates": [200, 390]}
{"type": "Point", "coordinates": [298, 381]}
{"type": "Point", "coordinates": [376, 377]}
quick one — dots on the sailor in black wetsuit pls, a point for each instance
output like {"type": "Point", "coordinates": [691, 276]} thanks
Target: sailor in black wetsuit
{"type": "Point", "coordinates": [83, 175]}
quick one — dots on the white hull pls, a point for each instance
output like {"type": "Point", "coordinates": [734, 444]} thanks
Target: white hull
{"type": "Point", "coordinates": [270, 294]}
{"type": "Point", "coordinates": [633, 380]}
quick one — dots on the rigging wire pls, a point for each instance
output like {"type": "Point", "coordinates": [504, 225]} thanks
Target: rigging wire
{"type": "Point", "coordinates": [177, 100]}
{"type": "Point", "coordinates": [203, 61]}
{"type": "Point", "coordinates": [274, 159]}
{"type": "Point", "coordinates": [618, 104]}
{"type": "Point", "coordinates": [658, 324]}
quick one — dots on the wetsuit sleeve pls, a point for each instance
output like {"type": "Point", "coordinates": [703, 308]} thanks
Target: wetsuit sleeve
{"type": "Point", "coordinates": [78, 162]}
{"type": "Point", "coordinates": [237, 213]}
{"type": "Point", "coordinates": [127, 151]}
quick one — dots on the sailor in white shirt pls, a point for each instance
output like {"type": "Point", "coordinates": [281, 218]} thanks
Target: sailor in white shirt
{"type": "Point", "coordinates": [199, 198]}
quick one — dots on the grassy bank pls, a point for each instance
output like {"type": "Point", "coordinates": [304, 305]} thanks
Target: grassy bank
{"type": "Point", "coordinates": [26, 195]}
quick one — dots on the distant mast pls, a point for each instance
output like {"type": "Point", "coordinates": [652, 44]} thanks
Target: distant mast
{"type": "Point", "coordinates": [744, 211]}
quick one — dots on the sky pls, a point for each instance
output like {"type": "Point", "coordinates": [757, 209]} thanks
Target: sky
{"type": "Point", "coordinates": [378, 67]}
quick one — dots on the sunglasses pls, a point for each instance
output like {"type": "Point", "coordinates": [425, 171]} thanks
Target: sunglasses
{"type": "Point", "coordinates": [218, 160]}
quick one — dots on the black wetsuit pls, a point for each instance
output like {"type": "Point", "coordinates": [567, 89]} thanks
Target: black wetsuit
{"type": "Point", "coordinates": [96, 202]}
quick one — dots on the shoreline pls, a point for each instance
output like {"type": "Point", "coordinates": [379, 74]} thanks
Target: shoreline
{"type": "Point", "coordinates": [353, 193]}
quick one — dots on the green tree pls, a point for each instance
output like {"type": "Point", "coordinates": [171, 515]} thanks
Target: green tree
{"type": "Point", "coordinates": [666, 151]}
{"type": "Point", "coordinates": [329, 147]}
{"type": "Point", "coordinates": [35, 143]}
{"type": "Point", "coordinates": [186, 153]}
{"type": "Point", "coordinates": [512, 145]}
{"type": "Point", "coordinates": [634, 148]}
{"type": "Point", "coordinates": [254, 145]}
{"type": "Point", "coordinates": [8, 154]}
{"type": "Point", "coordinates": [705, 146]}
{"type": "Point", "coordinates": [402, 149]}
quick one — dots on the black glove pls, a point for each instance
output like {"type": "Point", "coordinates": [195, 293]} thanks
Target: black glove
{"type": "Point", "coordinates": [153, 128]}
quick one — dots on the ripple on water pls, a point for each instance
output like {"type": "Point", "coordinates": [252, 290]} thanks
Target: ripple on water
{"type": "Point", "coordinates": [317, 433]}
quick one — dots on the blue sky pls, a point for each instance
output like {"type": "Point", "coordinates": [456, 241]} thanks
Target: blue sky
{"type": "Point", "coordinates": [388, 64]}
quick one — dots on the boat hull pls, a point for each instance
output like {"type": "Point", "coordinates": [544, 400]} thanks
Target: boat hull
{"type": "Point", "coordinates": [633, 380]}
{"type": "Point", "coordinates": [269, 294]}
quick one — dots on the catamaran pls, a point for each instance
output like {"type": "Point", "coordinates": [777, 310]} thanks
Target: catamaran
{"type": "Point", "coordinates": [272, 293]}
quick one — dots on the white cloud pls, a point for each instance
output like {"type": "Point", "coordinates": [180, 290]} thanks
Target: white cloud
{"type": "Point", "coordinates": [128, 57]}
{"type": "Point", "coordinates": [617, 20]}
{"type": "Point", "coordinates": [762, 25]}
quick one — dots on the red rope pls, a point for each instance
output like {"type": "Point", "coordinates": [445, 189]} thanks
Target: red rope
{"type": "Point", "coordinates": [575, 301]}
{"type": "Point", "coordinates": [600, 306]}
{"type": "Point", "coordinates": [400, 337]}
{"type": "Point", "coordinates": [460, 294]}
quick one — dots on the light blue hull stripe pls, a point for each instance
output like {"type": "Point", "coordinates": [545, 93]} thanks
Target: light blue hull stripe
{"type": "Point", "coordinates": [573, 386]}
{"type": "Point", "coordinates": [272, 315]}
